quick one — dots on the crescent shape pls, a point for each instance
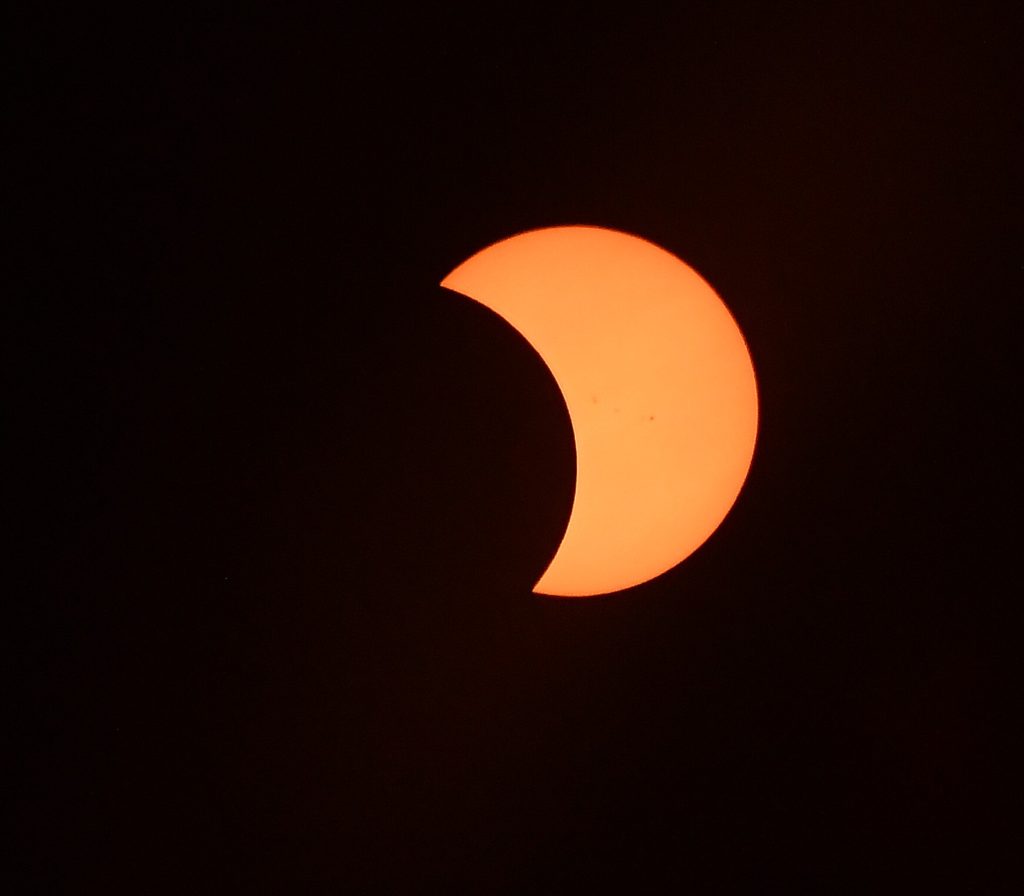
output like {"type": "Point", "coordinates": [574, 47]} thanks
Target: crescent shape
{"type": "Point", "coordinates": [658, 383]}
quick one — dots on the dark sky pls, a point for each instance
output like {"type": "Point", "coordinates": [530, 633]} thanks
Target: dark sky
{"type": "Point", "coordinates": [280, 499]}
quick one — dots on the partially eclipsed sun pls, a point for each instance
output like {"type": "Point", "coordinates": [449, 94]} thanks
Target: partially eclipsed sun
{"type": "Point", "coordinates": [659, 387]}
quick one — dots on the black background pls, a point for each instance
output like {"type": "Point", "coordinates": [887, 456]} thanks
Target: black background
{"type": "Point", "coordinates": [280, 499]}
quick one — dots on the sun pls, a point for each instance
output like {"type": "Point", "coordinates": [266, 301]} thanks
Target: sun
{"type": "Point", "coordinates": [659, 385]}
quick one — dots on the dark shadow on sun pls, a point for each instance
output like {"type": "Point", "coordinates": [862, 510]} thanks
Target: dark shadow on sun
{"type": "Point", "coordinates": [453, 468]}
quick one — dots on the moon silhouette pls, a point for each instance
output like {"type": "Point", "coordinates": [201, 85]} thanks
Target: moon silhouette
{"type": "Point", "coordinates": [658, 383]}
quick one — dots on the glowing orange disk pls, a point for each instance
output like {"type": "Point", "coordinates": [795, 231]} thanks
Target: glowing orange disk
{"type": "Point", "coordinates": [658, 383]}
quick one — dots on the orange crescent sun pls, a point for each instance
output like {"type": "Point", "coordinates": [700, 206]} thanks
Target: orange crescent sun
{"type": "Point", "coordinates": [658, 383]}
